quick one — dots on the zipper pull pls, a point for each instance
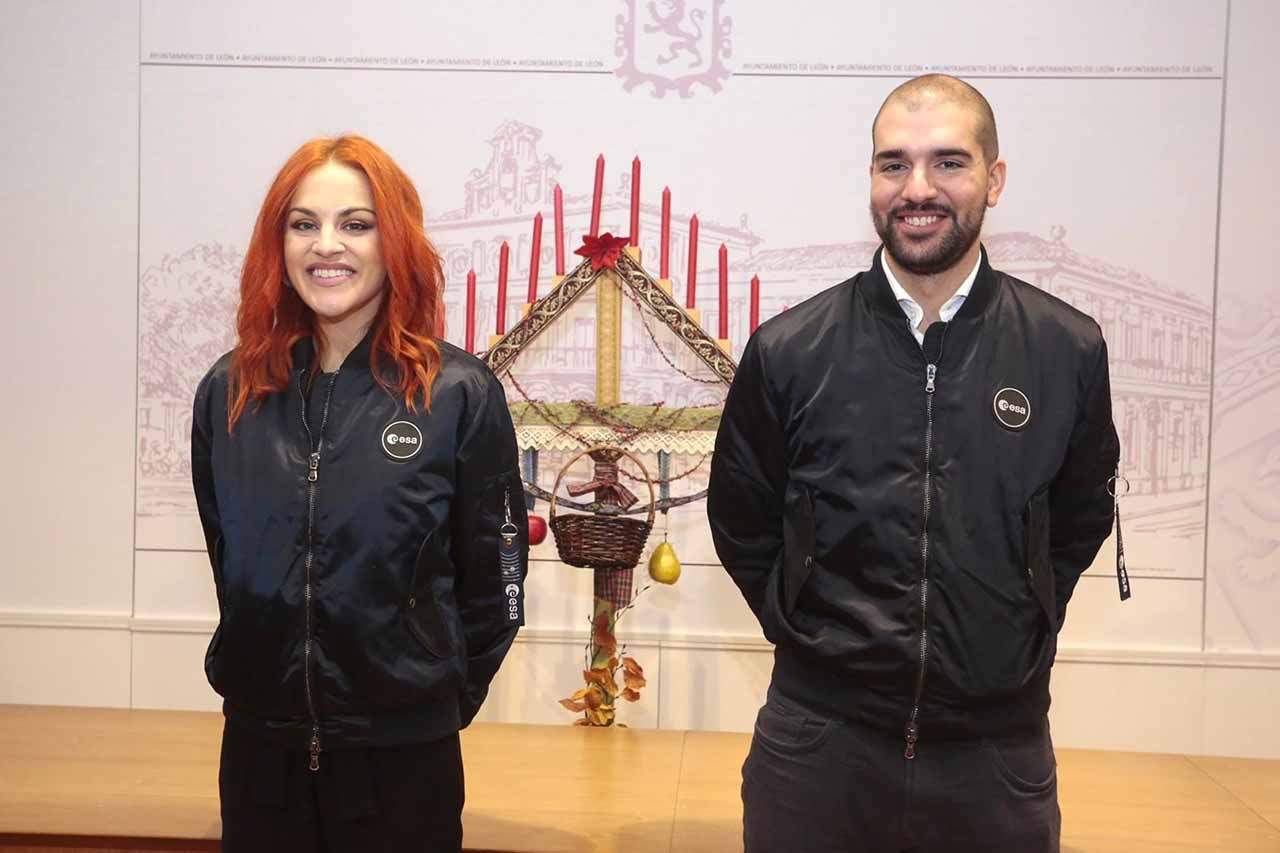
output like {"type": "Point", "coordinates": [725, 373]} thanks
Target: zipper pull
{"type": "Point", "coordinates": [315, 751]}
{"type": "Point", "coordinates": [930, 373]}
{"type": "Point", "coordinates": [913, 735]}
{"type": "Point", "coordinates": [508, 530]}
{"type": "Point", "coordinates": [313, 465]}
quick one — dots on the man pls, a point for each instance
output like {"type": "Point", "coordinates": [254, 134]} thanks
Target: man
{"type": "Point", "coordinates": [910, 475]}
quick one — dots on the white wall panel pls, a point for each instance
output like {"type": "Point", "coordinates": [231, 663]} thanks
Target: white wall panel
{"type": "Point", "coordinates": [149, 132]}
{"type": "Point", "coordinates": [65, 664]}
{"type": "Point", "coordinates": [1244, 521]}
{"type": "Point", "coordinates": [705, 688]}
{"type": "Point", "coordinates": [69, 194]}
{"type": "Point", "coordinates": [168, 671]}
{"type": "Point", "coordinates": [557, 596]}
{"type": "Point", "coordinates": [1163, 613]}
{"type": "Point", "coordinates": [1240, 712]}
{"type": "Point", "coordinates": [991, 37]}
{"type": "Point", "coordinates": [174, 585]}
{"type": "Point", "coordinates": [1136, 707]}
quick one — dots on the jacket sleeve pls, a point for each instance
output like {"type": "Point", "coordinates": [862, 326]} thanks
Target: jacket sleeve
{"type": "Point", "coordinates": [748, 480]}
{"type": "Point", "coordinates": [488, 481]}
{"type": "Point", "coordinates": [202, 474]}
{"type": "Point", "coordinates": [1081, 507]}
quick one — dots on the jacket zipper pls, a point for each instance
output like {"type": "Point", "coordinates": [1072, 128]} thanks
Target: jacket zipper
{"type": "Point", "coordinates": [315, 444]}
{"type": "Point", "coordinates": [912, 732]}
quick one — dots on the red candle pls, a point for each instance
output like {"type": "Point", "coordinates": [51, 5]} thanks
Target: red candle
{"type": "Point", "coordinates": [471, 311]}
{"type": "Point", "coordinates": [691, 286]}
{"type": "Point", "coordinates": [535, 257]}
{"type": "Point", "coordinates": [664, 263]}
{"type": "Point", "coordinates": [597, 195]}
{"type": "Point", "coordinates": [755, 302]}
{"type": "Point", "coordinates": [504, 257]}
{"type": "Point", "coordinates": [724, 292]}
{"type": "Point", "coordinates": [635, 202]}
{"type": "Point", "coordinates": [559, 196]}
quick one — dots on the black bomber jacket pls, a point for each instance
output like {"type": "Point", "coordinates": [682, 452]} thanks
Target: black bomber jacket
{"type": "Point", "coordinates": [356, 562]}
{"type": "Point", "coordinates": [907, 522]}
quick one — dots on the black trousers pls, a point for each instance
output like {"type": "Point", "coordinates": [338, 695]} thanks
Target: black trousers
{"type": "Point", "coordinates": [812, 784]}
{"type": "Point", "coordinates": [405, 798]}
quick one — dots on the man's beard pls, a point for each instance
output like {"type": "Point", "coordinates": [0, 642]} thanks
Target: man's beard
{"type": "Point", "coordinates": [946, 250]}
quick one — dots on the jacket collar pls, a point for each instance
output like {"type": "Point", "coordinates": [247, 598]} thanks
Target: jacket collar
{"type": "Point", "coordinates": [886, 302]}
{"type": "Point", "coordinates": [303, 353]}
{"type": "Point", "coordinates": [962, 332]}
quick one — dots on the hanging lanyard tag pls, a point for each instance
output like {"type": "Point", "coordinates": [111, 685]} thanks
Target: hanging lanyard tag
{"type": "Point", "coordinates": [510, 567]}
{"type": "Point", "coordinates": [1122, 574]}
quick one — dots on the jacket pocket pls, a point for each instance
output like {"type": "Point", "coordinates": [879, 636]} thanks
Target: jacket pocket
{"type": "Point", "coordinates": [1024, 761]}
{"type": "Point", "coordinates": [790, 731]}
{"type": "Point", "coordinates": [422, 608]}
{"type": "Point", "coordinates": [798, 543]}
{"type": "Point", "coordinates": [215, 559]}
{"type": "Point", "coordinates": [211, 657]}
{"type": "Point", "coordinates": [1039, 565]}
{"type": "Point", "coordinates": [219, 588]}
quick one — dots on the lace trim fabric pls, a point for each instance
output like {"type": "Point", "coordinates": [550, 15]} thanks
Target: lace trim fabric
{"type": "Point", "coordinates": [540, 437]}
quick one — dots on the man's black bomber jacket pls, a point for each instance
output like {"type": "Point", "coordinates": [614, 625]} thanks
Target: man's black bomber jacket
{"type": "Point", "coordinates": [906, 522]}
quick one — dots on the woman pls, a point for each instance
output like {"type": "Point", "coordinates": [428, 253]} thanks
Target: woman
{"type": "Point", "coordinates": [356, 477]}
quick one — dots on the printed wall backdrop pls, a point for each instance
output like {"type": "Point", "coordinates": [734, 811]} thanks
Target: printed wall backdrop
{"type": "Point", "coordinates": [757, 118]}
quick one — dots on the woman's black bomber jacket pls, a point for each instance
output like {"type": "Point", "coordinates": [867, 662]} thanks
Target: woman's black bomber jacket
{"type": "Point", "coordinates": [361, 601]}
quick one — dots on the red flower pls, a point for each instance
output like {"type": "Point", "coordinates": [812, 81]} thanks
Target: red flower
{"type": "Point", "coordinates": [603, 250]}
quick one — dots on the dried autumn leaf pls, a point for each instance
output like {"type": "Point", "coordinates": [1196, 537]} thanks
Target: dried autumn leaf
{"type": "Point", "coordinates": [600, 716]}
{"type": "Point", "coordinates": [603, 678]}
{"type": "Point", "coordinates": [631, 665]}
{"type": "Point", "coordinates": [630, 695]}
{"type": "Point", "coordinates": [634, 681]}
{"type": "Point", "coordinates": [590, 696]}
{"type": "Point", "coordinates": [613, 663]}
{"type": "Point", "coordinates": [583, 721]}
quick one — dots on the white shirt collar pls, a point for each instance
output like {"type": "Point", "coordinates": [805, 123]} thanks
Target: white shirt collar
{"type": "Point", "coordinates": [912, 308]}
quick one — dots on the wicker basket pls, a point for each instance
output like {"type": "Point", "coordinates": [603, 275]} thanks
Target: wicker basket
{"type": "Point", "coordinates": [598, 541]}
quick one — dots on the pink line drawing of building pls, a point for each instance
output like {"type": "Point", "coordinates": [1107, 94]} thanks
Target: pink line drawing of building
{"type": "Point", "coordinates": [1159, 338]}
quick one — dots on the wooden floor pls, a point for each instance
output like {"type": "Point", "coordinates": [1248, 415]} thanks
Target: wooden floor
{"type": "Point", "coordinates": [134, 780]}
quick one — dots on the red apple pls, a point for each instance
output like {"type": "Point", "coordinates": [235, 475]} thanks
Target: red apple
{"type": "Point", "coordinates": [537, 529]}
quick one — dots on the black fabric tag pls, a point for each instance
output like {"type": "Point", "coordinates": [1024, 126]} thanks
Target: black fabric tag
{"type": "Point", "coordinates": [1122, 574]}
{"type": "Point", "coordinates": [512, 582]}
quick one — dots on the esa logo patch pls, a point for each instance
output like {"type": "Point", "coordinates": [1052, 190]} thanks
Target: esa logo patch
{"type": "Point", "coordinates": [401, 440]}
{"type": "Point", "coordinates": [514, 604]}
{"type": "Point", "coordinates": [1012, 408]}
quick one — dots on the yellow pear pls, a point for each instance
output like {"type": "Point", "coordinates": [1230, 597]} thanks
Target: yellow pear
{"type": "Point", "coordinates": [664, 567]}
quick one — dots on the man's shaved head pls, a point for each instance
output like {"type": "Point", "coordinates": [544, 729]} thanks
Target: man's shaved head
{"type": "Point", "coordinates": [930, 89]}
{"type": "Point", "coordinates": [935, 169]}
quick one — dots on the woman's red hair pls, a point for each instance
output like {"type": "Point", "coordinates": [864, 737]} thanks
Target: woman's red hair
{"type": "Point", "coordinates": [272, 318]}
